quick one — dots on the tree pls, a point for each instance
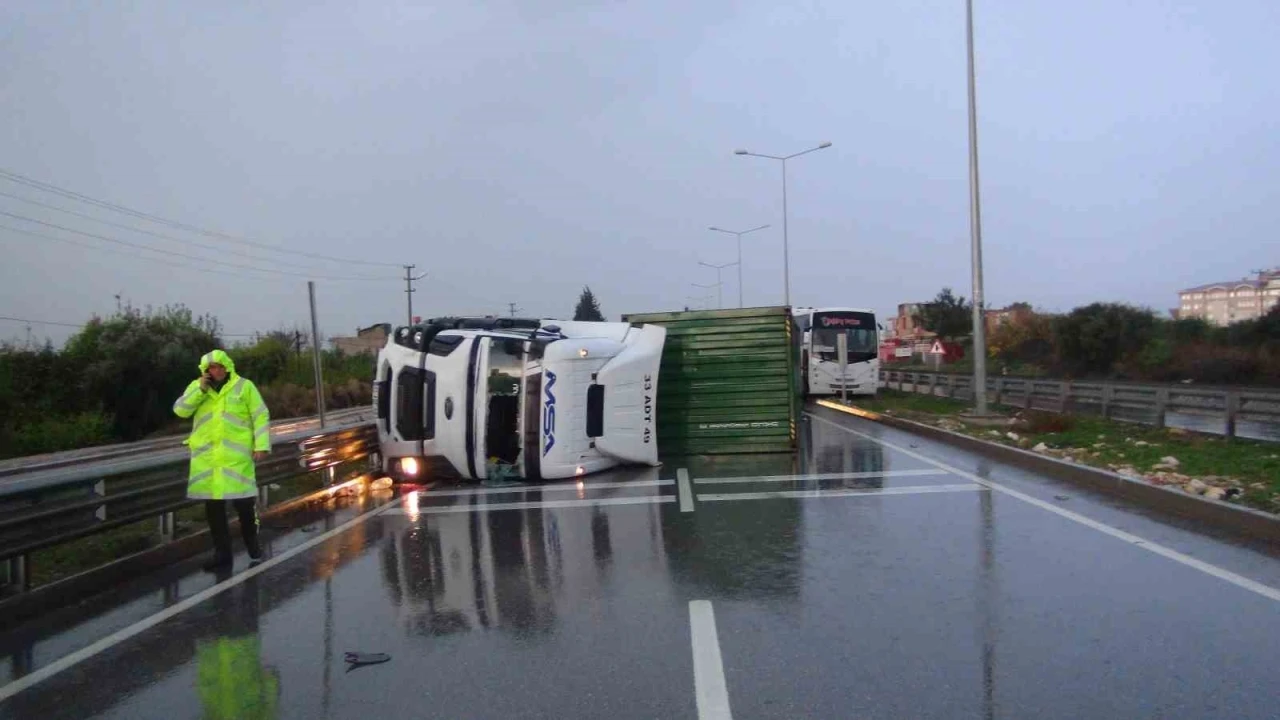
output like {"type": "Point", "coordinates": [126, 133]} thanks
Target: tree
{"type": "Point", "coordinates": [947, 316]}
{"type": "Point", "coordinates": [136, 364]}
{"type": "Point", "coordinates": [1095, 339]}
{"type": "Point", "coordinates": [588, 307]}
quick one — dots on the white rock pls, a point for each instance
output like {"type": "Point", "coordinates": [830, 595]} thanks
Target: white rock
{"type": "Point", "coordinates": [1215, 493]}
{"type": "Point", "coordinates": [1142, 443]}
{"type": "Point", "coordinates": [1195, 487]}
{"type": "Point", "coordinates": [1041, 448]}
{"type": "Point", "coordinates": [1169, 462]}
{"type": "Point", "coordinates": [1013, 436]}
{"type": "Point", "coordinates": [1068, 458]}
{"type": "Point", "coordinates": [993, 433]}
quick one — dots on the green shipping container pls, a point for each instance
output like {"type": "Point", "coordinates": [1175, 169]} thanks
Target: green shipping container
{"type": "Point", "coordinates": [729, 381]}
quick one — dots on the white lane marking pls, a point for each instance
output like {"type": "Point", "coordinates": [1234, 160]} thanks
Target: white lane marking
{"type": "Point", "coordinates": [564, 486]}
{"type": "Point", "coordinates": [69, 661]}
{"type": "Point", "coordinates": [1137, 541]}
{"type": "Point", "coordinates": [533, 505]}
{"type": "Point", "coordinates": [686, 493]}
{"type": "Point", "coordinates": [708, 669]}
{"type": "Point", "coordinates": [819, 476]}
{"type": "Point", "coordinates": [842, 492]}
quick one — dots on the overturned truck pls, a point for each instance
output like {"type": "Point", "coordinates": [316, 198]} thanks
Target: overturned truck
{"type": "Point", "coordinates": [549, 399]}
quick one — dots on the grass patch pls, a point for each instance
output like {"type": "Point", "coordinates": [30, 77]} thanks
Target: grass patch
{"type": "Point", "coordinates": [1109, 443]}
{"type": "Point", "coordinates": [54, 563]}
{"type": "Point", "coordinates": [1252, 465]}
{"type": "Point", "coordinates": [904, 403]}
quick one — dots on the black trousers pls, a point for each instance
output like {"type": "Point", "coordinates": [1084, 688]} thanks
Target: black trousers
{"type": "Point", "coordinates": [216, 513]}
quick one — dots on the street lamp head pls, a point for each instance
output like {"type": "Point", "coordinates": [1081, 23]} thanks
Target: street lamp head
{"type": "Point", "coordinates": [824, 145]}
{"type": "Point", "coordinates": [740, 151]}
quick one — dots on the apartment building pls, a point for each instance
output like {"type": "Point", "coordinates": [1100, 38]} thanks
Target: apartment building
{"type": "Point", "coordinates": [1225, 303]}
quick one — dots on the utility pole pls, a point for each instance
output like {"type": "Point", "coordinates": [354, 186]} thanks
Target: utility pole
{"type": "Point", "coordinates": [315, 353]}
{"type": "Point", "coordinates": [514, 309]}
{"type": "Point", "coordinates": [409, 279]}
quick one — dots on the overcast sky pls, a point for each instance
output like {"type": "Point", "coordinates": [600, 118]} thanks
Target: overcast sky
{"type": "Point", "coordinates": [1128, 149]}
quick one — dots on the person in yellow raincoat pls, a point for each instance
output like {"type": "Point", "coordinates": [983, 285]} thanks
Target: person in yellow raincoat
{"type": "Point", "coordinates": [230, 431]}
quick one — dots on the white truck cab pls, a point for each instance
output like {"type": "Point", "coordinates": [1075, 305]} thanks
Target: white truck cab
{"type": "Point", "coordinates": [518, 398]}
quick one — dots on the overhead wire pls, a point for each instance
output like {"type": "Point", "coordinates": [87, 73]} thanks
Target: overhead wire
{"type": "Point", "coordinates": [71, 194]}
{"type": "Point", "coordinates": [172, 253]}
{"type": "Point", "coordinates": [81, 325]}
{"type": "Point", "coordinates": [122, 226]}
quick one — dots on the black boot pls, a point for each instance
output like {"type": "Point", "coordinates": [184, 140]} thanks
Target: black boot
{"type": "Point", "coordinates": [247, 509]}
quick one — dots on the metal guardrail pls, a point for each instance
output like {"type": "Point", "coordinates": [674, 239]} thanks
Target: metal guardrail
{"type": "Point", "coordinates": [53, 461]}
{"type": "Point", "coordinates": [52, 507]}
{"type": "Point", "coordinates": [1143, 403]}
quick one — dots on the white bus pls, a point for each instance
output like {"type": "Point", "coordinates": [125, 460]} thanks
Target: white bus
{"type": "Point", "coordinates": [818, 361]}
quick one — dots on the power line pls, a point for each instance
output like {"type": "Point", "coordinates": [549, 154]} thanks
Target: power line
{"type": "Point", "coordinates": [91, 246]}
{"type": "Point", "coordinates": [178, 254]}
{"type": "Point", "coordinates": [41, 322]}
{"type": "Point", "coordinates": [80, 325]}
{"type": "Point", "coordinates": [71, 194]}
{"type": "Point", "coordinates": [131, 228]}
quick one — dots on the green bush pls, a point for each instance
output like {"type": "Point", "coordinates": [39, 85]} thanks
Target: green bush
{"type": "Point", "coordinates": [52, 434]}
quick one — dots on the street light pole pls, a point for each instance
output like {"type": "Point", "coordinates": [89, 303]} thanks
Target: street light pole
{"type": "Point", "coordinates": [739, 235]}
{"type": "Point", "coordinates": [699, 298]}
{"type": "Point", "coordinates": [719, 280]}
{"type": "Point", "coordinates": [975, 234]}
{"type": "Point", "coordinates": [786, 246]}
{"type": "Point", "coordinates": [717, 286]}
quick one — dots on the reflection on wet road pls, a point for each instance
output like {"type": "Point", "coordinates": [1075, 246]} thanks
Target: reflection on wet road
{"type": "Point", "coordinates": [872, 575]}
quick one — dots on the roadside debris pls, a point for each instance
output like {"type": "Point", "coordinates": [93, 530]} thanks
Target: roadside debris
{"type": "Point", "coordinates": [359, 659]}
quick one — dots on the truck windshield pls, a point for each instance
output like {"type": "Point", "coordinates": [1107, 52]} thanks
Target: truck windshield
{"type": "Point", "coordinates": [503, 391]}
{"type": "Point", "coordinates": [860, 328]}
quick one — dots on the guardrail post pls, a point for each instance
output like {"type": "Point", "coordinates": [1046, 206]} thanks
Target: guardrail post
{"type": "Point", "coordinates": [1029, 391]}
{"type": "Point", "coordinates": [1064, 400]}
{"type": "Point", "coordinates": [168, 527]}
{"type": "Point", "coordinates": [951, 387]}
{"type": "Point", "coordinates": [1232, 411]}
{"type": "Point", "coordinates": [1162, 406]}
{"type": "Point", "coordinates": [900, 374]}
{"type": "Point", "coordinates": [16, 571]}
{"type": "Point", "coordinates": [264, 497]}
{"type": "Point", "coordinates": [1108, 394]}
{"type": "Point", "coordinates": [330, 475]}
{"type": "Point", "coordinates": [999, 391]}
{"type": "Point", "coordinates": [22, 661]}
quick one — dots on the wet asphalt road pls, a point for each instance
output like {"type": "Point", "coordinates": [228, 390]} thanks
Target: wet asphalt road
{"type": "Point", "coordinates": [904, 589]}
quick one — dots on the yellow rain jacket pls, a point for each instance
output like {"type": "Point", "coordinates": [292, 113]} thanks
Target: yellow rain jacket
{"type": "Point", "coordinates": [230, 425]}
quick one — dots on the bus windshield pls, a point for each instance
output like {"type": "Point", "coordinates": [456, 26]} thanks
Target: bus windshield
{"type": "Point", "coordinates": [859, 327]}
